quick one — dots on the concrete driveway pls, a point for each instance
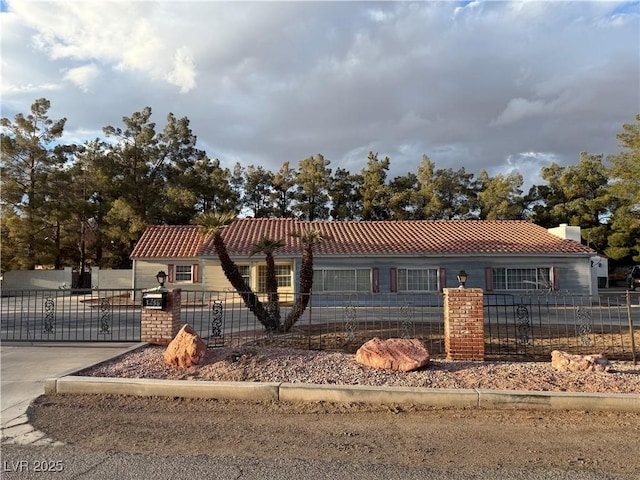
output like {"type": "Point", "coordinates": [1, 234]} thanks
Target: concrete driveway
{"type": "Point", "coordinates": [24, 368]}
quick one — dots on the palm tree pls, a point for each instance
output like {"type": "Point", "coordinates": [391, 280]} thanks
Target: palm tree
{"type": "Point", "coordinates": [213, 224]}
{"type": "Point", "coordinates": [268, 246]}
{"type": "Point", "coordinates": [309, 238]}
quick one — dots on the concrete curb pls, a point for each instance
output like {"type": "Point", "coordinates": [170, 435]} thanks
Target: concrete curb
{"type": "Point", "coordinates": [291, 392]}
{"type": "Point", "coordinates": [436, 397]}
{"type": "Point", "coordinates": [144, 387]}
{"type": "Point", "coordinates": [621, 402]}
{"type": "Point", "coordinates": [301, 392]}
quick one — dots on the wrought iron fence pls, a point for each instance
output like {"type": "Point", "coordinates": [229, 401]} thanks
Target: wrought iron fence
{"type": "Point", "coordinates": [516, 326]}
{"type": "Point", "coordinates": [337, 321]}
{"type": "Point", "coordinates": [70, 316]}
{"type": "Point", "coordinates": [532, 326]}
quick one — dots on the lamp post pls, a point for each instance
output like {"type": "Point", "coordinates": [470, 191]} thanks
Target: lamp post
{"type": "Point", "coordinates": [161, 277]}
{"type": "Point", "coordinates": [462, 278]}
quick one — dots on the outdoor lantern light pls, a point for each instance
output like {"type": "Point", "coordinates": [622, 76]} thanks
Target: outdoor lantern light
{"type": "Point", "coordinates": [161, 277]}
{"type": "Point", "coordinates": [462, 278]}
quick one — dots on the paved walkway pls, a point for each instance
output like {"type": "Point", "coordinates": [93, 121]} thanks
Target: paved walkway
{"type": "Point", "coordinates": [23, 369]}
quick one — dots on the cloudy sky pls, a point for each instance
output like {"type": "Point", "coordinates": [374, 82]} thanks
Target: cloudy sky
{"type": "Point", "coordinates": [499, 86]}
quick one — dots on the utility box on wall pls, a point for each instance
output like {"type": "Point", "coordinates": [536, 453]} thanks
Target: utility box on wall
{"type": "Point", "coordinates": [154, 300]}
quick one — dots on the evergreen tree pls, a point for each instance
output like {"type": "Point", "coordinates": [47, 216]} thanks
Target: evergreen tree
{"type": "Point", "coordinates": [624, 241]}
{"type": "Point", "coordinates": [313, 181]}
{"type": "Point", "coordinates": [375, 191]}
{"type": "Point", "coordinates": [30, 161]}
{"type": "Point", "coordinates": [283, 191]}
{"type": "Point", "coordinates": [450, 195]}
{"type": "Point", "coordinates": [257, 191]}
{"type": "Point", "coordinates": [346, 195]}
{"type": "Point", "coordinates": [500, 197]}
{"type": "Point", "coordinates": [404, 200]}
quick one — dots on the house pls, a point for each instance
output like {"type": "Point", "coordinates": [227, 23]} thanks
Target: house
{"type": "Point", "coordinates": [375, 256]}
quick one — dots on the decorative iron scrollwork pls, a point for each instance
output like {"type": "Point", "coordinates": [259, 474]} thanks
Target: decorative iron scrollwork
{"type": "Point", "coordinates": [216, 318]}
{"type": "Point", "coordinates": [584, 325]}
{"type": "Point", "coordinates": [406, 325]}
{"type": "Point", "coordinates": [524, 325]}
{"type": "Point", "coordinates": [105, 316]}
{"type": "Point", "coordinates": [49, 315]}
{"type": "Point", "coordinates": [351, 321]}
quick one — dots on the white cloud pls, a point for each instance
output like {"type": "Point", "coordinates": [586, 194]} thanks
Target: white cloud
{"type": "Point", "coordinates": [83, 76]}
{"type": "Point", "coordinates": [183, 74]}
{"type": "Point", "coordinates": [469, 85]}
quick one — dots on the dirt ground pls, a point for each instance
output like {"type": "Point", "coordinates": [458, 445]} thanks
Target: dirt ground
{"type": "Point", "coordinates": [600, 442]}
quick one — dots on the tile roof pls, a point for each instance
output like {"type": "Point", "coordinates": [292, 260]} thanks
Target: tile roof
{"type": "Point", "coordinates": [168, 241]}
{"type": "Point", "coordinates": [413, 237]}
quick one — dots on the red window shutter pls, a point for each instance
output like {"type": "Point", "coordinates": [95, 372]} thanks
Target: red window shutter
{"type": "Point", "coordinates": [376, 280]}
{"type": "Point", "coordinates": [171, 274]}
{"type": "Point", "coordinates": [555, 273]}
{"type": "Point", "coordinates": [195, 273]}
{"type": "Point", "coordinates": [442, 277]}
{"type": "Point", "coordinates": [488, 279]}
{"type": "Point", "coordinates": [393, 279]}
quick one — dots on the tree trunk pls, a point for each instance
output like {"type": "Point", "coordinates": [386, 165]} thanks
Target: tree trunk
{"type": "Point", "coordinates": [306, 283]}
{"type": "Point", "coordinates": [273, 299]}
{"type": "Point", "coordinates": [234, 276]}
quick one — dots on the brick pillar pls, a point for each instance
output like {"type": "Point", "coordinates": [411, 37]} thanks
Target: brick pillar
{"type": "Point", "coordinates": [464, 324]}
{"type": "Point", "coordinates": [160, 326]}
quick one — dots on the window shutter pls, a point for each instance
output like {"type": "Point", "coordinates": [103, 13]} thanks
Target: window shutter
{"type": "Point", "coordinates": [555, 273]}
{"type": "Point", "coordinates": [488, 279]}
{"type": "Point", "coordinates": [171, 274]}
{"type": "Point", "coordinates": [195, 273]}
{"type": "Point", "coordinates": [393, 279]}
{"type": "Point", "coordinates": [442, 277]}
{"type": "Point", "coordinates": [376, 280]}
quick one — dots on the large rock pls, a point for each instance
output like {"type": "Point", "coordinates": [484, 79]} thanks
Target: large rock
{"type": "Point", "coordinates": [393, 354]}
{"type": "Point", "coordinates": [564, 362]}
{"type": "Point", "coordinates": [186, 349]}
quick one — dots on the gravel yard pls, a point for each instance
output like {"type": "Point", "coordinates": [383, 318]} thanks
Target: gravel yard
{"type": "Point", "coordinates": [256, 364]}
{"type": "Point", "coordinates": [596, 444]}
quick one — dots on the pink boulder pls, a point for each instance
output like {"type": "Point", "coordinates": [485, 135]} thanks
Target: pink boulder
{"type": "Point", "coordinates": [186, 349]}
{"type": "Point", "coordinates": [564, 362]}
{"type": "Point", "coordinates": [393, 354]}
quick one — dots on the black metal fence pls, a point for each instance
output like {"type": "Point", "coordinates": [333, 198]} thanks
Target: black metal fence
{"type": "Point", "coordinates": [532, 326]}
{"type": "Point", "coordinates": [516, 326]}
{"type": "Point", "coordinates": [70, 316]}
{"type": "Point", "coordinates": [330, 322]}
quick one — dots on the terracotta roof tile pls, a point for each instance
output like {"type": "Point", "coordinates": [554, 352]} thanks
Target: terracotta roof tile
{"type": "Point", "coordinates": [429, 237]}
{"type": "Point", "coordinates": [168, 241]}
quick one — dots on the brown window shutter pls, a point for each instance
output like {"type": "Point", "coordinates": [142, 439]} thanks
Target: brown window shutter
{"type": "Point", "coordinates": [442, 277]}
{"type": "Point", "coordinates": [376, 280]}
{"type": "Point", "coordinates": [195, 273]}
{"type": "Point", "coordinates": [488, 279]}
{"type": "Point", "coordinates": [393, 279]}
{"type": "Point", "coordinates": [555, 273]}
{"type": "Point", "coordinates": [171, 274]}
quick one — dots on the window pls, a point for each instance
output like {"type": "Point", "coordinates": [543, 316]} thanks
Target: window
{"type": "Point", "coordinates": [245, 271]}
{"type": "Point", "coordinates": [183, 273]}
{"type": "Point", "coordinates": [283, 275]}
{"type": "Point", "coordinates": [522, 279]}
{"type": "Point", "coordinates": [343, 280]}
{"type": "Point", "coordinates": [417, 280]}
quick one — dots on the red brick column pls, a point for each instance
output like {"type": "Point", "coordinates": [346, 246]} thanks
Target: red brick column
{"type": "Point", "coordinates": [160, 326]}
{"type": "Point", "coordinates": [464, 324]}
